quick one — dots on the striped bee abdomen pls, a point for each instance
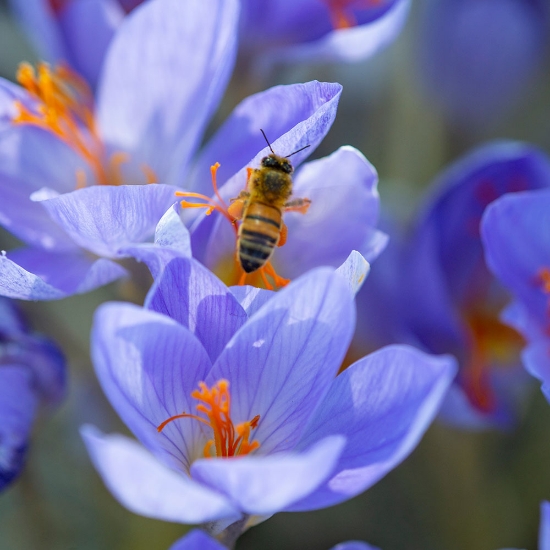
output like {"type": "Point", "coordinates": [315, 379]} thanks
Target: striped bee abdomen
{"type": "Point", "coordinates": [258, 235]}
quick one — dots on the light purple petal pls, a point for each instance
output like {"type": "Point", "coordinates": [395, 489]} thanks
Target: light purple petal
{"type": "Point", "coordinates": [281, 363]}
{"type": "Point", "coordinates": [144, 106]}
{"type": "Point", "coordinates": [197, 540]}
{"type": "Point", "coordinates": [106, 219]}
{"type": "Point", "coordinates": [148, 365]}
{"type": "Point", "coordinates": [544, 529]}
{"type": "Point", "coordinates": [536, 358]}
{"type": "Point", "coordinates": [145, 486]}
{"type": "Point", "coordinates": [251, 298]}
{"type": "Point", "coordinates": [194, 297]}
{"type": "Point", "coordinates": [88, 27]}
{"type": "Point", "coordinates": [17, 407]}
{"type": "Point", "coordinates": [268, 484]}
{"type": "Point", "coordinates": [46, 275]}
{"type": "Point", "coordinates": [382, 404]}
{"type": "Point", "coordinates": [347, 45]}
{"type": "Point", "coordinates": [342, 216]}
{"type": "Point", "coordinates": [41, 27]}
{"type": "Point", "coordinates": [276, 111]}
{"type": "Point", "coordinates": [354, 271]}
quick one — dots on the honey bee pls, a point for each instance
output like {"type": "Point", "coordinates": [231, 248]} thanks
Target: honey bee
{"type": "Point", "coordinates": [260, 208]}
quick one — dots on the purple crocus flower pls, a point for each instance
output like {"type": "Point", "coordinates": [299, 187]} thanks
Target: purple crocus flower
{"type": "Point", "coordinates": [32, 376]}
{"type": "Point", "coordinates": [319, 30]}
{"type": "Point", "coordinates": [145, 127]}
{"type": "Point", "coordinates": [237, 404]}
{"type": "Point", "coordinates": [477, 56]}
{"type": "Point", "coordinates": [446, 299]}
{"type": "Point", "coordinates": [516, 237]}
{"type": "Point", "coordinates": [199, 540]}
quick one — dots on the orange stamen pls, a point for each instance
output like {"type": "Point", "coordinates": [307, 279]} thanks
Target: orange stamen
{"type": "Point", "coordinates": [215, 404]}
{"type": "Point", "coordinates": [266, 276]}
{"type": "Point", "coordinates": [209, 203]}
{"type": "Point", "coordinates": [341, 14]}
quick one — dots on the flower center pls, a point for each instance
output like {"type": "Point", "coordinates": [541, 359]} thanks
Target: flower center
{"type": "Point", "coordinates": [64, 106]}
{"type": "Point", "coordinates": [214, 410]}
{"type": "Point", "coordinates": [342, 14]}
{"type": "Point", "coordinates": [490, 342]}
{"type": "Point", "coordinates": [230, 270]}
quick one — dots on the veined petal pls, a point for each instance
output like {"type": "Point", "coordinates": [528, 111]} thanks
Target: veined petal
{"type": "Point", "coordinates": [45, 275]}
{"type": "Point", "coordinates": [382, 404]}
{"type": "Point", "coordinates": [143, 107]}
{"type": "Point", "coordinates": [276, 111]}
{"type": "Point", "coordinates": [251, 298]}
{"type": "Point", "coordinates": [106, 219]}
{"type": "Point", "coordinates": [148, 365]}
{"type": "Point", "coordinates": [281, 362]}
{"type": "Point", "coordinates": [268, 484]}
{"type": "Point", "coordinates": [194, 297]}
{"type": "Point", "coordinates": [145, 486]}
{"type": "Point", "coordinates": [342, 215]}
{"type": "Point", "coordinates": [88, 27]}
{"type": "Point", "coordinates": [354, 271]}
{"type": "Point", "coordinates": [17, 406]}
{"type": "Point", "coordinates": [197, 540]}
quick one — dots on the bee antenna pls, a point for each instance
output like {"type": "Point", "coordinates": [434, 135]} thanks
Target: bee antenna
{"type": "Point", "coordinates": [267, 141]}
{"type": "Point", "coordinates": [305, 147]}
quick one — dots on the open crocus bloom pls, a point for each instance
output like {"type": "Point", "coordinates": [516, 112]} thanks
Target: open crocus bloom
{"type": "Point", "coordinates": [448, 299]}
{"type": "Point", "coordinates": [145, 127]}
{"type": "Point", "coordinates": [516, 237]}
{"type": "Point", "coordinates": [319, 30]}
{"type": "Point", "coordinates": [32, 376]}
{"type": "Point", "coordinates": [240, 410]}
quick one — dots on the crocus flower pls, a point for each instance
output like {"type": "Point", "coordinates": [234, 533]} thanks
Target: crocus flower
{"type": "Point", "coordinates": [237, 405]}
{"type": "Point", "coordinates": [516, 237]}
{"type": "Point", "coordinates": [32, 377]}
{"type": "Point", "coordinates": [478, 56]}
{"type": "Point", "coordinates": [145, 126]}
{"type": "Point", "coordinates": [447, 300]}
{"type": "Point", "coordinates": [199, 540]}
{"type": "Point", "coordinates": [319, 30]}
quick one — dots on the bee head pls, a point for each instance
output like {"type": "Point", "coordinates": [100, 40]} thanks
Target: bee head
{"type": "Point", "coordinates": [277, 163]}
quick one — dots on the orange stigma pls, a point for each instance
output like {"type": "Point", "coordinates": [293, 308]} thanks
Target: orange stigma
{"type": "Point", "coordinates": [65, 107]}
{"type": "Point", "coordinates": [490, 342]}
{"type": "Point", "coordinates": [215, 406]}
{"type": "Point", "coordinates": [543, 280]}
{"type": "Point", "coordinates": [341, 11]}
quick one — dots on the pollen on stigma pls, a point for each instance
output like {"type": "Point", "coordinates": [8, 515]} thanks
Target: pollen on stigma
{"type": "Point", "coordinates": [214, 410]}
{"type": "Point", "coordinates": [64, 106]}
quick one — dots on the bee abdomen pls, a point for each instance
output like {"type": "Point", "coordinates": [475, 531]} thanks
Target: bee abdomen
{"type": "Point", "coordinates": [258, 235]}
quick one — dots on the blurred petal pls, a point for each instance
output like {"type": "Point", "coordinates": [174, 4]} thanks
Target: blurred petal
{"type": "Point", "coordinates": [280, 364]}
{"type": "Point", "coordinates": [354, 545]}
{"type": "Point", "coordinates": [194, 297]}
{"type": "Point", "coordinates": [544, 529]}
{"type": "Point", "coordinates": [88, 27]}
{"type": "Point", "coordinates": [266, 485]}
{"type": "Point", "coordinates": [146, 487]}
{"type": "Point", "coordinates": [276, 111]}
{"type": "Point", "coordinates": [382, 404]}
{"type": "Point", "coordinates": [45, 275]}
{"type": "Point", "coordinates": [197, 540]}
{"type": "Point", "coordinates": [148, 365]}
{"type": "Point", "coordinates": [105, 219]}
{"type": "Point", "coordinates": [342, 216]}
{"type": "Point", "coordinates": [17, 407]}
{"type": "Point", "coordinates": [347, 45]}
{"type": "Point", "coordinates": [143, 108]}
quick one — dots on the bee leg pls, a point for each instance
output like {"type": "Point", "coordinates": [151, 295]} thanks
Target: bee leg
{"type": "Point", "coordinates": [283, 235]}
{"type": "Point", "coordinates": [279, 281]}
{"type": "Point", "coordinates": [237, 206]}
{"type": "Point", "coordinates": [297, 205]}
